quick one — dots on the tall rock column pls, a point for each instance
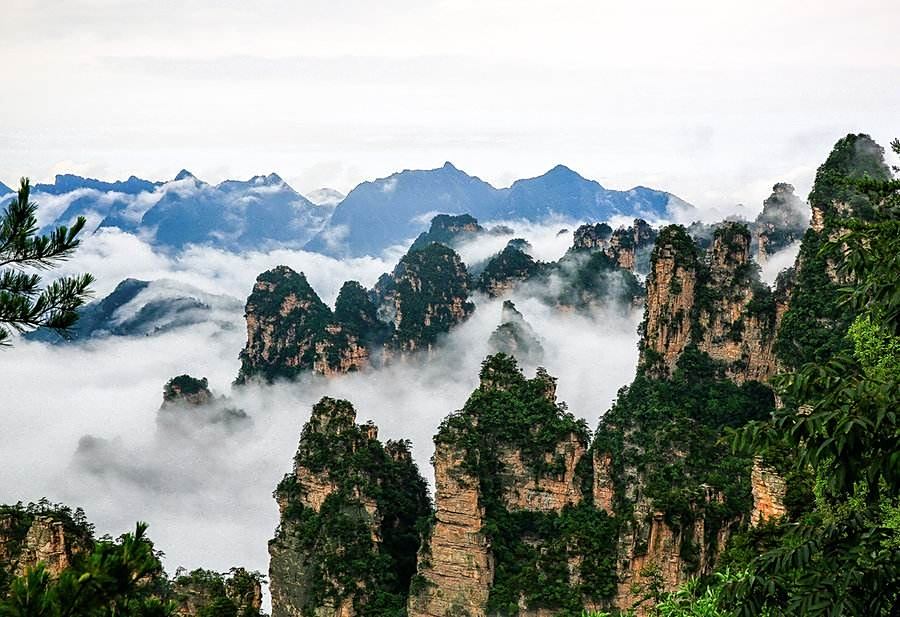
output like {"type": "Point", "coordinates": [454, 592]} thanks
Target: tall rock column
{"type": "Point", "coordinates": [350, 511]}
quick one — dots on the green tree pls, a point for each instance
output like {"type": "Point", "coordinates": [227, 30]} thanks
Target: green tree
{"type": "Point", "coordinates": [24, 304]}
{"type": "Point", "coordinates": [840, 421]}
{"type": "Point", "coordinates": [117, 579]}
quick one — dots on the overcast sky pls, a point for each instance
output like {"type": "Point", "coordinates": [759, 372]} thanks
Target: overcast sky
{"type": "Point", "coordinates": [712, 100]}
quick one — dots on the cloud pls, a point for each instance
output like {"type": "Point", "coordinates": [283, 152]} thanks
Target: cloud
{"type": "Point", "coordinates": [389, 185]}
{"type": "Point", "coordinates": [779, 261]}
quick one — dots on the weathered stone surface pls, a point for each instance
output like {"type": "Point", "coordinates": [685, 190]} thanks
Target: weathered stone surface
{"type": "Point", "coordinates": [456, 563]}
{"type": "Point", "coordinates": [48, 542]}
{"type": "Point", "coordinates": [604, 487]}
{"type": "Point", "coordinates": [716, 303]}
{"type": "Point", "coordinates": [524, 491]}
{"type": "Point", "coordinates": [768, 489]}
{"type": "Point", "coordinates": [670, 299]}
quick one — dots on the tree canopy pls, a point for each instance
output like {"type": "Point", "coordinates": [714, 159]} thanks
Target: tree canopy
{"type": "Point", "coordinates": [24, 303]}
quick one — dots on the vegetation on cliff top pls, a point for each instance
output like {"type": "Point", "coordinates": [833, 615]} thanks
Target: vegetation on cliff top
{"type": "Point", "coordinates": [531, 549]}
{"type": "Point", "coordinates": [332, 552]}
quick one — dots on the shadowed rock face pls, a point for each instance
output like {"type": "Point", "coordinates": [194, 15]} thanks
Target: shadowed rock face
{"type": "Point", "coordinates": [349, 510]}
{"type": "Point", "coordinates": [448, 230]}
{"type": "Point", "coordinates": [597, 272]}
{"type": "Point", "coordinates": [290, 330]}
{"type": "Point", "coordinates": [425, 296]}
{"type": "Point", "coordinates": [628, 247]}
{"type": "Point", "coordinates": [203, 592]}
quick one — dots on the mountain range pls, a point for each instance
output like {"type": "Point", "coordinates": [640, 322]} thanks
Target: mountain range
{"type": "Point", "coordinates": [265, 212]}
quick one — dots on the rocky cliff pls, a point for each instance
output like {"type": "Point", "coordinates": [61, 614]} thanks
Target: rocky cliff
{"type": "Point", "coordinates": [629, 247]}
{"type": "Point", "coordinates": [814, 327]}
{"type": "Point", "coordinates": [596, 273]}
{"type": "Point", "coordinates": [203, 592]}
{"type": "Point", "coordinates": [711, 300]}
{"type": "Point", "coordinates": [448, 230]}
{"type": "Point", "coordinates": [189, 403]}
{"type": "Point", "coordinates": [41, 533]}
{"type": "Point", "coordinates": [515, 337]}
{"type": "Point", "coordinates": [513, 507]}
{"type": "Point", "coordinates": [348, 537]}
{"type": "Point", "coordinates": [290, 330]}
{"type": "Point", "coordinates": [507, 269]}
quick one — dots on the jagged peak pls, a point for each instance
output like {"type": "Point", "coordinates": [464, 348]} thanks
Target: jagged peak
{"type": "Point", "coordinates": [332, 416]}
{"type": "Point", "coordinates": [184, 174]}
{"type": "Point", "coordinates": [509, 312]}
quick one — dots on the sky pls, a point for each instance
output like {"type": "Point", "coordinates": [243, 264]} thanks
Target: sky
{"type": "Point", "coordinates": [712, 100]}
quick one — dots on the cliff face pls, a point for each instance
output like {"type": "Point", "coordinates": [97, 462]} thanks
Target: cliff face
{"type": "Point", "coordinates": [285, 323]}
{"type": "Point", "coordinates": [629, 247]}
{"type": "Point", "coordinates": [515, 337]}
{"type": "Point", "coordinates": [512, 266]}
{"type": "Point", "coordinates": [456, 567]}
{"type": "Point", "coordinates": [40, 535]}
{"type": "Point", "coordinates": [290, 330]}
{"type": "Point", "coordinates": [813, 328]}
{"type": "Point", "coordinates": [447, 229]}
{"type": "Point", "coordinates": [349, 510]}
{"type": "Point", "coordinates": [188, 402]}
{"type": "Point", "coordinates": [511, 506]}
{"type": "Point", "coordinates": [203, 592]}
{"type": "Point", "coordinates": [714, 302]}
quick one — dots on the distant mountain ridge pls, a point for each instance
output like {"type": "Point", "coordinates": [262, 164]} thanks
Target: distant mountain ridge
{"type": "Point", "coordinates": [391, 210]}
{"type": "Point", "coordinates": [265, 212]}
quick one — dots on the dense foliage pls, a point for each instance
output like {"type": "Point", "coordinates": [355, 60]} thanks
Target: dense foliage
{"type": "Point", "coordinates": [668, 432]}
{"type": "Point", "coordinates": [211, 594]}
{"type": "Point", "coordinates": [121, 578]}
{"type": "Point", "coordinates": [446, 229]}
{"type": "Point", "coordinates": [24, 305]}
{"type": "Point", "coordinates": [509, 267]}
{"type": "Point", "coordinates": [431, 294]}
{"type": "Point", "coordinates": [850, 183]}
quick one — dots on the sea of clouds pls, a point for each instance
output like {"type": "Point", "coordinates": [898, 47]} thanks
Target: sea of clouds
{"type": "Point", "coordinates": [80, 421]}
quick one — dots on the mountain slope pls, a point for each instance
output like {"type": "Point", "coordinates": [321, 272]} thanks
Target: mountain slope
{"type": "Point", "coordinates": [388, 211]}
{"type": "Point", "coordinates": [236, 215]}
